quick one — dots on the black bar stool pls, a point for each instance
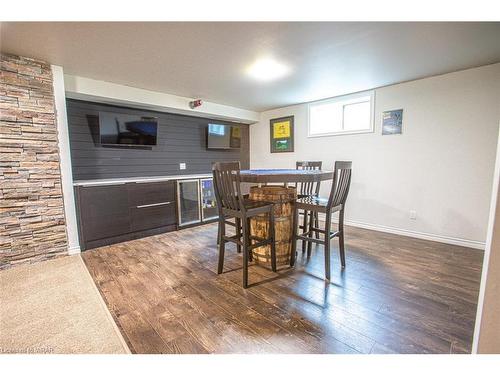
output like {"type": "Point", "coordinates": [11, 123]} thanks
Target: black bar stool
{"type": "Point", "coordinates": [232, 204]}
{"type": "Point", "coordinates": [335, 203]}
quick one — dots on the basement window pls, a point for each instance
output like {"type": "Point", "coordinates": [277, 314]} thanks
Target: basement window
{"type": "Point", "coordinates": [350, 114]}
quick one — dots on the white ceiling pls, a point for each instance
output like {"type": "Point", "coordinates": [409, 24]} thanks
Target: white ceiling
{"type": "Point", "coordinates": [209, 60]}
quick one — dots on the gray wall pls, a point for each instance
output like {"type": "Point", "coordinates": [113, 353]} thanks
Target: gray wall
{"type": "Point", "coordinates": [180, 139]}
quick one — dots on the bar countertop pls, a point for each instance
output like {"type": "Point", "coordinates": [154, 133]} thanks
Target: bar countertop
{"type": "Point", "coordinates": [124, 180]}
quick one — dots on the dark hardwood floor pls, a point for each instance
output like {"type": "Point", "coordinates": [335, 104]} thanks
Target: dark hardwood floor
{"type": "Point", "coordinates": [396, 295]}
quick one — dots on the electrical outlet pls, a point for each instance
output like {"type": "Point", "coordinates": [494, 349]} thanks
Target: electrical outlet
{"type": "Point", "coordinates": [413, 214]}
{"type": "Point", "coordinates": [182, 165]}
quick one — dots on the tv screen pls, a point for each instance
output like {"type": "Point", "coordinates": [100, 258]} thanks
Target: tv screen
{"type": "Point", "coordinates": [221, 136]}
{"type": "Point", "coordinates": [127, 130]}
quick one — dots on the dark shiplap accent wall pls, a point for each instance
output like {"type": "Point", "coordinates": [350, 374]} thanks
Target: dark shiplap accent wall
{"type": "Point", "coordinates": [181, 139]}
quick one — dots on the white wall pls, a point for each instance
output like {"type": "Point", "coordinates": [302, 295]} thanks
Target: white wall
{"type": "Point", "coordinates": [486, 333]}
{"type": "Point", "coordinates": [442, 165]}
{"type": "Point", "coordinates": [65, 160]}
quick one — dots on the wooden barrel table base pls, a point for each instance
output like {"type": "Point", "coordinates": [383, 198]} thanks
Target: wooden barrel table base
{"type": "Point", "coordinates": [283, 199]}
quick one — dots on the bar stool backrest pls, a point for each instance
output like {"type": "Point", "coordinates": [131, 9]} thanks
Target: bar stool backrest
{"type": "Point", "coordinates": [227, 185]}
{"type": "Point", "coordinates": [308, 188]}
{"type": "Point", "coordinates": [341, 183]}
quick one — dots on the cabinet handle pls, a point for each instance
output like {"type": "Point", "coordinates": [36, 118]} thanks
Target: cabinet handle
{"type": "Point", "coordinates": [91, 185]}
{"type": "Point", "coordinates": [152, 181]}
{"type": "Point", "coordinates": [154, 204]}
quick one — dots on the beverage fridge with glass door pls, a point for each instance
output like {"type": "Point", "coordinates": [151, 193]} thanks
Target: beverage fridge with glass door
{"type": "Point", "coordinates": [196, 201]}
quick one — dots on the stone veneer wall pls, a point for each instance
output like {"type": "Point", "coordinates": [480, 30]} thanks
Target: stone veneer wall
{"type": "Point", "coordinates": [32, 225]}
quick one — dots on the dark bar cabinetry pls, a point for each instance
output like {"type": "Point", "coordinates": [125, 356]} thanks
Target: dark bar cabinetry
{"type": "Point", "coordinates": [104, 211]}
{"type": "Point", "coordinates": [119, 212]}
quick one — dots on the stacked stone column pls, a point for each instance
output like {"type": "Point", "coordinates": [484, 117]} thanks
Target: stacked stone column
{"type": "Point", "coordinates": [32, 225]}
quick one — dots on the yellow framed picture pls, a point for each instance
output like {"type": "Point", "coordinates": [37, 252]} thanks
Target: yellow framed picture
{"type": "Point", "coordinates": [282, 134]}
{"type": "Point", "coordinates": [235, 139]}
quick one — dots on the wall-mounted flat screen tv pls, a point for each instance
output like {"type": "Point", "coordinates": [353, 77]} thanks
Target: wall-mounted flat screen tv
{"type": "Point", "coordinates": [127, 130]}
{"type": "Point", "coordinates": [221, 136]}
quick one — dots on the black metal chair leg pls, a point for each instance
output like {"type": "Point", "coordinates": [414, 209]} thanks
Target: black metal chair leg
{"type": "Point", "coordinates": [295, 224]}
{"type": "Point", "coordinates": [304, 229]}
{"type": "Point", "coordinates": [272, 237]}
{"type": "Point", "coordinates": [245, 253]}
{"type": "Point", "coordinates": [218, 231]}
{"type": "Point", "coordinates": [316, 223]}
{"type": "Point", "coordinates": [311, 226]}
{"type": "Point", "coordinates": [237, 221]}
{"type": "Point", "coordinates": [327, 245]}
{"type": "Point", "coordinates": [341, 238]}
{"type": "Point", "coordinates": [250, 253]}
{"type": "Point", "coordinates": [222, 245]}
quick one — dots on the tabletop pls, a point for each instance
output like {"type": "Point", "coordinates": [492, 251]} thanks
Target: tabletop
{"type": "Point", "coordinates": [284, 175]}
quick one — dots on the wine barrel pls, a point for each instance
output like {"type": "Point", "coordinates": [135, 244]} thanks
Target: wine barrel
{"type": "Point", "coordinates": [283, 199]}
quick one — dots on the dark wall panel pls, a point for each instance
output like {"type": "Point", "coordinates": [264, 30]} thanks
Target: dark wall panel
{"type": "Point", "coordinates": [181, 139]}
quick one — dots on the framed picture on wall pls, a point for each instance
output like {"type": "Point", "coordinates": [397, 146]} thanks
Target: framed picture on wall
{"type": "Point", "coordinates": [282, 134]}
{"type": "Point", "coordinates": [392, 122]}
{"type": "Point", "coordinates": [235, 138]}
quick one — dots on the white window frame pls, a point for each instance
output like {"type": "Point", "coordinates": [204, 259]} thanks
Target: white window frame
{"type": "Point", "coordinates": [351, 99]}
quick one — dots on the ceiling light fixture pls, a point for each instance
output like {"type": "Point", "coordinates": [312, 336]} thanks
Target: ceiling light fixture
{"type": "Point", "coordinates": [267, 69]}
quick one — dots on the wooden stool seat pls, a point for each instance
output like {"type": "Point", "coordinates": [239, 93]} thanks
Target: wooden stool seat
{"type": "Point", "coordinates": [252, 204]}
{"type": "Point", "coordinates": [312, 201]}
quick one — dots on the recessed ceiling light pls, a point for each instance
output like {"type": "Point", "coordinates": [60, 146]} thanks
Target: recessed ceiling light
{"type": "Point", "coordinates": [267, 69]}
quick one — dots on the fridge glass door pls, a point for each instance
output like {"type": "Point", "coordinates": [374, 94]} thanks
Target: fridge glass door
{"type": "Point", "coordinates": [188, 201]}
{"type": "Point", "coordinates": [208, 201]}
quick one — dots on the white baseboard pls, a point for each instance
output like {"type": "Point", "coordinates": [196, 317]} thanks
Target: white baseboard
{"type": "Point", "coordinates": [74, 250]}
{"type": "Point", "coordinates": [410, 233]}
